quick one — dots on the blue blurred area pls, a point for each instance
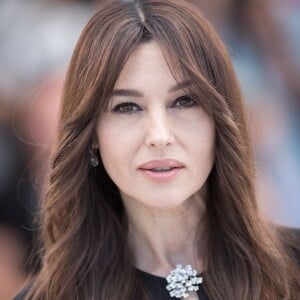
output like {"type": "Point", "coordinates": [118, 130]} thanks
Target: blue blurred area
{"type": "Point", "coordinates": [262, 38]}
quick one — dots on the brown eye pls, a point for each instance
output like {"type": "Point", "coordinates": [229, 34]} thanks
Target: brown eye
{"type": "Point", "coordinates": [184, 102]}
{"type": "Point", "coordinates": [126, 108]}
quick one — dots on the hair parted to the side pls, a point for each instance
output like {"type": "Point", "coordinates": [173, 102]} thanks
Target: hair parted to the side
{"type": "Point", "coordinates": [84, 230]}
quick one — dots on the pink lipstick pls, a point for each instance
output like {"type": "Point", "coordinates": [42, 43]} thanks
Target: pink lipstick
{"type": "Point", "coordinates": [161, 170]}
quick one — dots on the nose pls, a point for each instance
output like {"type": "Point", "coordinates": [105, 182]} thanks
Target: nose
{"type": "Point", "coordinates": [159, 130]}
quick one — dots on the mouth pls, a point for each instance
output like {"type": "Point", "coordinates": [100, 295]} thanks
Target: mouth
{"type": "Point", "coordinates": [161, 165]}
{"type": "Point", "coordinates": [161, 170]}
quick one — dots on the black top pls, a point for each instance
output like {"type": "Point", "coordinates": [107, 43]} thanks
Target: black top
{"type": "Point", "coordinates": [156, 286]}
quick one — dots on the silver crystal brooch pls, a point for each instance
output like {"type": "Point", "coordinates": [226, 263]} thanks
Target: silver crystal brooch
{"type": "Point", "coordinates": [182, 281]}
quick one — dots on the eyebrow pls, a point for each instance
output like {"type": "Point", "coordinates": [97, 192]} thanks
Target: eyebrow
{"type": "Point", "coordinates": [180, 86]}
{"type": "Point", "coordinates": [135, 93]}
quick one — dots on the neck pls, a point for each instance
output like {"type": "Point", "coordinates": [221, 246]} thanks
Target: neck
{"type": "Point", "coordinates": [161, 239]}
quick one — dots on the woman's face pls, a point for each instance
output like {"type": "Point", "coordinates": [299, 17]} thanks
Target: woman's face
{"type": "Point", "coordinates": [156, 143]}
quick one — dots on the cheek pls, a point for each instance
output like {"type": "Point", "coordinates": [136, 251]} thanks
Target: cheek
{"type": "Point", "coordinates": [107, 142]}
{"type": "Point", "coordinates": [114, 131]}
{"type": "Point", "coordinates": [197, 129]}
{"type": "Point", "coordinates": [193, 121]}
{"type": "Point", "coordinates": [115, 144]}
{"type": "Point", "coordinates": [202, 145]}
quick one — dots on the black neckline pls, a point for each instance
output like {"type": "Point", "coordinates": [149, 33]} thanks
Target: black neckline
{"type": "Point", "coordinates": [156, 277]}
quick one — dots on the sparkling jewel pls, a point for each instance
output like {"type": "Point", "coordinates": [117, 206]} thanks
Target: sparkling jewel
{"type": "Point", "coordinates": [182, 281]}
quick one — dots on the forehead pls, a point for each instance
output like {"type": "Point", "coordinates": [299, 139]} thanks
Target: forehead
{"type": "Point", "coordinates": [145, 68]}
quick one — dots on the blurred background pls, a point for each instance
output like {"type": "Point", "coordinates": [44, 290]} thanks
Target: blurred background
{"type": "Point", "coordinates": [36, 42]}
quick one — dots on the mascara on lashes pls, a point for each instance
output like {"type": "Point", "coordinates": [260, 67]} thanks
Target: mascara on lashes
{"type": "Point", "coordinates": [121, 107]}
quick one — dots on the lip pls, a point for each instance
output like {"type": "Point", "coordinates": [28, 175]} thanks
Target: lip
{"type": "Point", "coordinates": [164, 176]}
{"type": "Point", "coordinates": [161, 163]}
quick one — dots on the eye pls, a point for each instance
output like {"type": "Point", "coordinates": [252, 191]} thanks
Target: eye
{"type": "Point", "coordinates": [126, 108]}
{"type": "Point", "coordinates": [184, 102]}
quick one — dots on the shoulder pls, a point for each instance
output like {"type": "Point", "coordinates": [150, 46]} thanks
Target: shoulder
{"type": "Point", "coordinates": [23, 293]}
{"type": "Point", "coordinates": [291, 240]}
{"type": "Point", "coordinates": [289, 236]}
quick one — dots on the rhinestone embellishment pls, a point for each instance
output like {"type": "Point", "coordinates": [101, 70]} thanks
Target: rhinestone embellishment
{"type": "Point", "coordinates": [182, 281]}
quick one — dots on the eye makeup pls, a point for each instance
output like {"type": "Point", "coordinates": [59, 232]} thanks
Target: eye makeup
{"type": "Point", "coordinates": [130, 107]}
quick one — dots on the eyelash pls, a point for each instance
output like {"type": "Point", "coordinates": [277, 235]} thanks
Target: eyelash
{"type": "Point", "coordinates": [131, 107]}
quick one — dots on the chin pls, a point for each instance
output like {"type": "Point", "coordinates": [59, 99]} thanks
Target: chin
{"type": "Point", "coordinates": [165, 202]}
{"type": "Point", "coordinates": [160, 199]}
{"type": "Point", "coordinates": [164, 206]}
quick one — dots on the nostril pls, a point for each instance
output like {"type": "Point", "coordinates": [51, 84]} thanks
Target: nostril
{"type": "Point", "coordinates": [159, 140]}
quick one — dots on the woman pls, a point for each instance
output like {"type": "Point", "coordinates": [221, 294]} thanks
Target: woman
{"type": "Point", "coordinates": [153, 169]}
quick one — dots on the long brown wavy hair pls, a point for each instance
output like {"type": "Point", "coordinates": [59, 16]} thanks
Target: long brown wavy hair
{"type": "Point", "coordinates": [86, 255]}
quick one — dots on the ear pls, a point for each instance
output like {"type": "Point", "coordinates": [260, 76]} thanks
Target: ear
{"type": "Point", "coordinates": [95, 144]}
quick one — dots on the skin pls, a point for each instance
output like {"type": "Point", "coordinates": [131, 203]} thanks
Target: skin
{"type": "Point", "coordinates": [12, 277]}
{"type": "Point", "coordinates": [162, 216]}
